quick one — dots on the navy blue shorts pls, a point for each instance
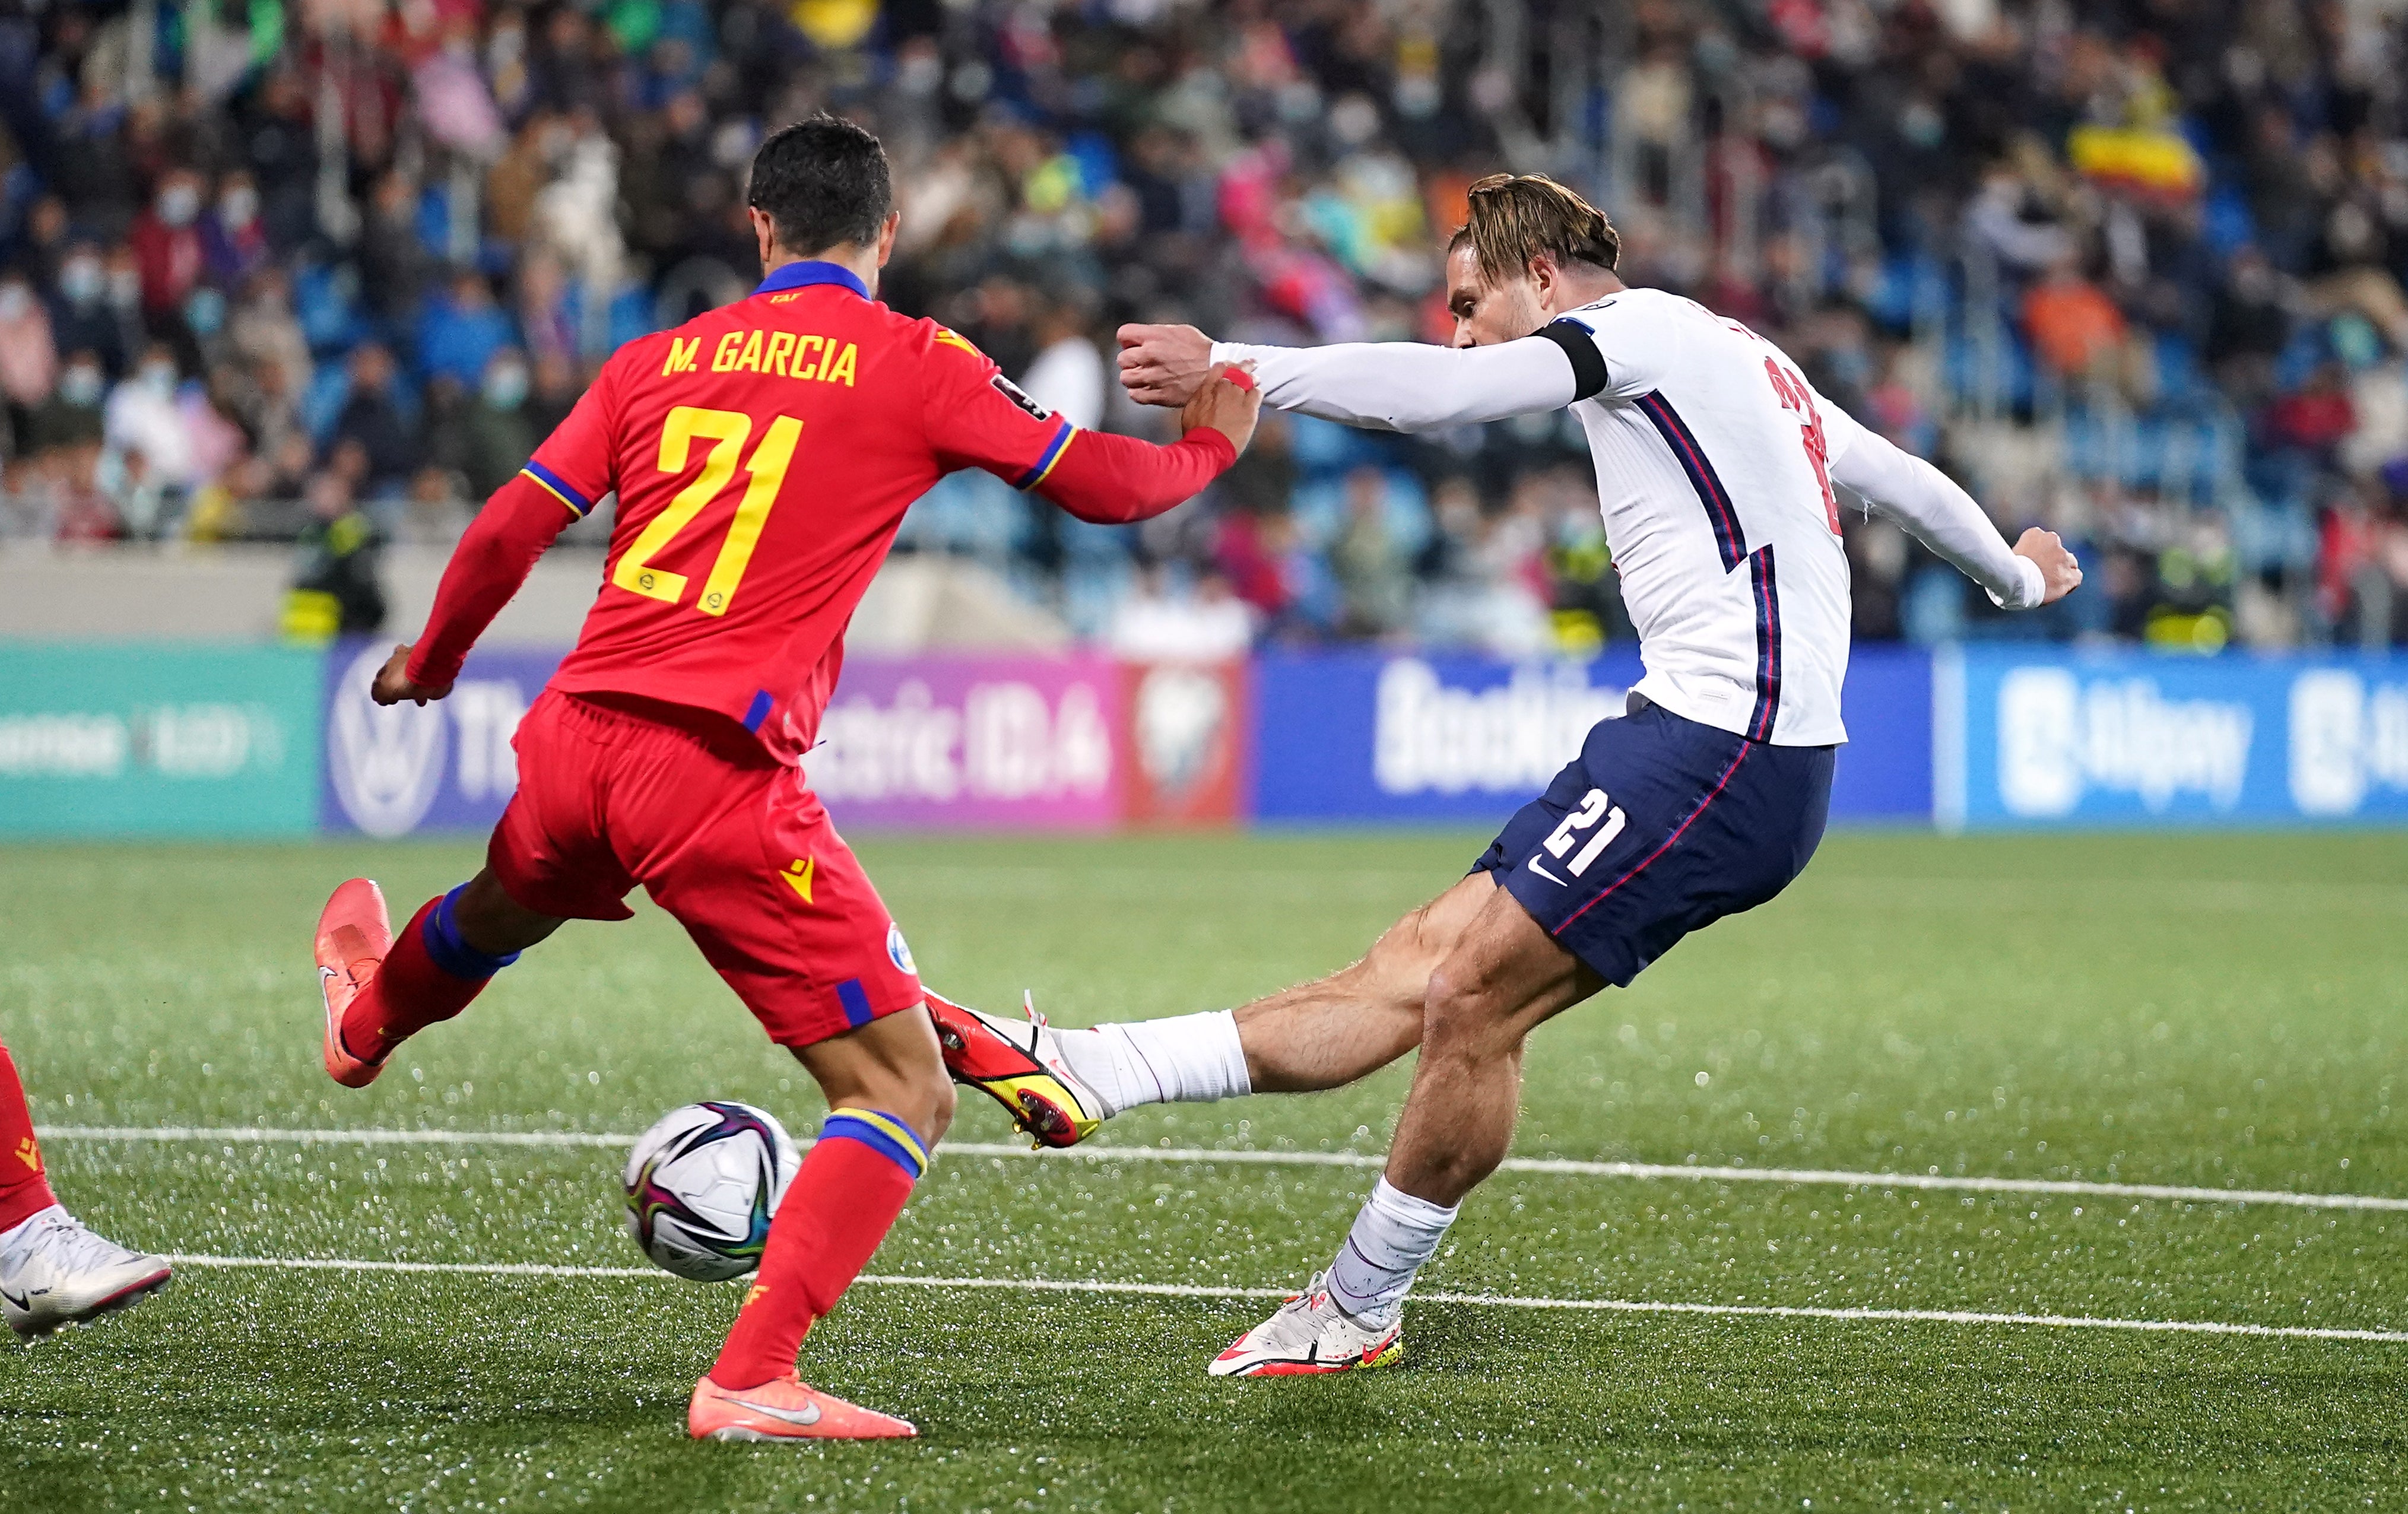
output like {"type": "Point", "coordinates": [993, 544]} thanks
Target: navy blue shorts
{"type": "Point", "coordinates": [1660, 827]}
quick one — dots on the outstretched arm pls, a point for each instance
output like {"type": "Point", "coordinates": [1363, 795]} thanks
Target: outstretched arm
{"type": "Point", "coordinates": [493, 559]}
{"type": "Point", "coordinates": [976, 418]}
{"type": "Point", "coordinates": [1928, 503]}
{"type": "Point", "coordinates": [1118, 481]}
{"type": "Point", "coordinates": [1386, 386]}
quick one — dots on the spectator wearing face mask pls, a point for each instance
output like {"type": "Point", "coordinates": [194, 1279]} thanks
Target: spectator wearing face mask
{"type": "Point", "coordinates": [29, 364]}
{"type": "Point", "coordinates": [462, 330]}
{"type": "Point", "coordinates": [143, 419]}
{"type": "Point", "coordinates": [70, 416]}
{"type": "Point", "coordinates": [81, 317]}
{"type": "Point", "coordinates": [233, 243]}
{"type": "Point", "coordinates": [499, 436]}
{"type": "Point", "coordinates": [168, 244]}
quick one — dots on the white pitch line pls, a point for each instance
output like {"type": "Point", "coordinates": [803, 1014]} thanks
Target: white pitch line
{"type": "Point", "coordinates": [263, 1136]}
{"type": "Point", "coordinates": [1497, 1300]}
{"type": "Point", "coordinates": [1188, 1155]}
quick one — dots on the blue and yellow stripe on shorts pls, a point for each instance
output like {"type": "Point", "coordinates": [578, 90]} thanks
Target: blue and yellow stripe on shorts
{"type": "Point", "coordinates": [1045, 460]}
{"type": "Point", "coordinates": [558, 487]}
{"type": "Point", "coordinates": [882, 1132]}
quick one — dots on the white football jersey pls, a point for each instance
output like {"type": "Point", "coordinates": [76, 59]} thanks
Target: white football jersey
{"type": "Point", "coordinates": [1712, 459]}
{"type": "Point", "coordinates": [1715, 461]}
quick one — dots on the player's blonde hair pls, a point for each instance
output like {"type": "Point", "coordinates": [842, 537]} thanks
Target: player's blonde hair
{"type": "Point", "coordinates": [1515, 217]}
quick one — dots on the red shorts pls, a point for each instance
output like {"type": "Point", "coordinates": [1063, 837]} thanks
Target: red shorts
{"type": "Point", "coordinates": [723, 837]}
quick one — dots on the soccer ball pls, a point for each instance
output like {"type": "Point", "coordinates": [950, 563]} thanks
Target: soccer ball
{"type": "Point", "coordinates": [702, 1185]}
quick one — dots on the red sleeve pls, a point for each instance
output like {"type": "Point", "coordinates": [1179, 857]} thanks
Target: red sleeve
{"type": "Point", "coordinates": [976, 418]}
{"type": "Point", "coordinates": [577, 462]}
{"type": "Point", "coordinates": [1113, 480]}
{"type": "Point", "coordinates": [573, 470]}
{"type": "Point", "coordinates": [494, 555]}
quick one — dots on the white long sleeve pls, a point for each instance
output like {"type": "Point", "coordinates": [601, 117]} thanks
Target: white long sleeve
{"type": "Point", "coordinates": [1939, 515]}
{"type": "Point", "coordinates": [1409, 386]}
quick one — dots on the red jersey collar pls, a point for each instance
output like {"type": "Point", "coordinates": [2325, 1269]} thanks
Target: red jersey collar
{"type": "Point", "coordinates": [811, 271]}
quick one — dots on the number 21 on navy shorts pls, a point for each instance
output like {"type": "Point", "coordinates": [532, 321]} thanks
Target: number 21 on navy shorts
{"type": "Point", "coordinates": [1659, 827]}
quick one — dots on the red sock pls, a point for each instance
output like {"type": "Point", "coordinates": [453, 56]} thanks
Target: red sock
{"type": "Point", "coordinates": [853, 1184]}
{"type": "Point", "coordinates": [24, 1191]}
{"type": "Point", "coordinates": [412, 990]}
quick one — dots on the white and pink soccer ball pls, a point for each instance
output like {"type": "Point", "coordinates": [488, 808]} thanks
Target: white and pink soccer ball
{"type": "Point", "coordinates": [702, 1185]}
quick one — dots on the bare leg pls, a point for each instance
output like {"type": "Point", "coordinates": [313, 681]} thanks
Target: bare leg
{"type": "Point", "coordinates": [1316, 1036]}
{"type": "Point", "coordinates": [1359, 1019]}
{"type": "Point", "coordinates": [891, 1065]}
{"type": "Point", "coordinates": [1504, 977]}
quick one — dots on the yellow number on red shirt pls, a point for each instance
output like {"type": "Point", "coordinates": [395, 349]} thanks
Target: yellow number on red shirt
{"type": "Point", "coordinates": [726, 430]}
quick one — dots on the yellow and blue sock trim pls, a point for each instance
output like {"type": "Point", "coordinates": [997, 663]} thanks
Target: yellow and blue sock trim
{"type": "Point", "coordinates": [451, 951]}
{"type": "Point", "coordinates": [578, 506]}
{"type": "Point", "coordinates": [1045, 464]}
{"type": "Point", "coordinates": [882, 1132]}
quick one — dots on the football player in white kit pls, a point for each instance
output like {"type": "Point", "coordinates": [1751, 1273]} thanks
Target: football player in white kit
{"type": "Point", "coordinates": [1716, 468]}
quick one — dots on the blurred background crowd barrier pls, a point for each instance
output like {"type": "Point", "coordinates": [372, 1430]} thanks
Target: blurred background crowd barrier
{"type": "Point", "coordinates": [286, 288]}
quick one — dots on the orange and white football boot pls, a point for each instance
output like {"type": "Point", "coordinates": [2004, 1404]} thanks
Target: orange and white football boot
{"type": "Point", "coordinates": [785, 1408]}
{"type": "Point", "coordinates": [354, 932]}
{"type": "Point", "coordinates": [1019, 1066]}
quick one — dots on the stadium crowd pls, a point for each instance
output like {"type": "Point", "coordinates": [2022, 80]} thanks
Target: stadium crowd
{"type": "Point", "coordinates": [326, 271]}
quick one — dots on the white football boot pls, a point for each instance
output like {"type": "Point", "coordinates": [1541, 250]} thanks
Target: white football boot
{"type": "Point", "coordinates": [1311, 1335]}
{"type": "Point", "coordinates": [55, 1272]}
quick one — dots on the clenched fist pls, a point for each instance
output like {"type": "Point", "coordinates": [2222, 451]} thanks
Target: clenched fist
{"type": "Point", "coordinates": [2058, 568]}
{"type": "Point", "coordinates": [1164, 365]}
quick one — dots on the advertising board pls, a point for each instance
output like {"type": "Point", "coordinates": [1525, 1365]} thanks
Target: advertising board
{"type": "Point", "coordinates": [2032, 738]}
{"type": "Point", "coordinates": [1364, 736]}
{"type": "Point", "coordinates": [157, 738]}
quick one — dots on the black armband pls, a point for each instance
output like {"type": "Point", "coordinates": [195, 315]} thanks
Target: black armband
{"type": "Point", "coordinates": [1580, 345]}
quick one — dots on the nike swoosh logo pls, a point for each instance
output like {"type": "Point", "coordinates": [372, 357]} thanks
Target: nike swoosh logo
{"type": "Point", "coordinates": [807, 1414]}
{"type": "Point", "coordinates": [25, 1302]}
{"type": "Point", "coordinates": [1540, 868]}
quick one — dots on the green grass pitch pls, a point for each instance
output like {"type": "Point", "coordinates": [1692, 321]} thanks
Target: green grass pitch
{"type": "Point", "coordinates": [2218, 1011]}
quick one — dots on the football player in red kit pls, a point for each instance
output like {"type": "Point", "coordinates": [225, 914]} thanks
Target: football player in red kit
{"type": "Point", "coordinates": [763, 456]}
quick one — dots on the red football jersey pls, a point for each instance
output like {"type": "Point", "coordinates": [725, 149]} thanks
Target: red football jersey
{"type": "Point", "coordinates": [763, 455]}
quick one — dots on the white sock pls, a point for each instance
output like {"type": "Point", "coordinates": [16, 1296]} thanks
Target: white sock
{"type": "Point", "coordinates": [1394, 1236]}
{"type": "Point", "coordinates": [1187, 1059]}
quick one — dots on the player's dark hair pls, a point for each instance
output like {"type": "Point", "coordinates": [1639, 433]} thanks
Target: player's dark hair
{"type": "Point", "coordinates": [1515, 217]}
{"type": "Point", "coordinates": [824, 181]}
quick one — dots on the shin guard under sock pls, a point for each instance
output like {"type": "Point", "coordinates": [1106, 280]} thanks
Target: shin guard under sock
{"type": "Point", "coordinates": [854, 1182]}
